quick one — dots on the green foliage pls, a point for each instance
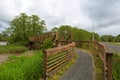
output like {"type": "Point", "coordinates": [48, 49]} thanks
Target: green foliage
{"type": "Point", "coordinates": [116, 67]}
{"type": "Point", "coordinates": [4, 36]}
{"type": "Point", "coordinates": [0, 36]}
{"type": "Point", "coordinates": [77, 34]}
{"type": "Point", "coordinates": [12, 49]}
{"type": "Point", "coordinates": [23, 68]}
{"type": "Point", "coordinates": [96, 37]}
{"type": "Point", "coordinates": [117, 38]}
{"type": "Point", "coordinates": [24, 26]}
{"type": "Point", "coordinates": [47, 43]}
{"type": "Point", "coordinates": [55, 29]}
{"type": "Point", "coordinates": [108, 38]}
{"type": "Point", "coordinates": [13, 57]}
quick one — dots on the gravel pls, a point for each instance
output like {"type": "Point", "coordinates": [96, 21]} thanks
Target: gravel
{"type": "Point", "coordinates": [83, 68]}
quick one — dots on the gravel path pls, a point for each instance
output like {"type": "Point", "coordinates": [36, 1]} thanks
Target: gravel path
{"type": "Point", "coordinates": [83, 69]}
{"type": "Point", "coordinates": [112, 46]}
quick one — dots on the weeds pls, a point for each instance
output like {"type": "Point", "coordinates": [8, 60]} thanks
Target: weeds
{"type": "Point", "coordinates": [23, 68]}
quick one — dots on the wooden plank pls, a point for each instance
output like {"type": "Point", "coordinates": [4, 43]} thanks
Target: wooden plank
{"type": "Point", "coordinates": [51, 68]}
{"type": "Point", "coordinates": [59, 49]}
{"type": "Point", "coordinates": [59, 60]}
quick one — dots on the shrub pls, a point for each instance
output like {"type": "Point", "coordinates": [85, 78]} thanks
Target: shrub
{"type": "Point", "coordinates": [47, 43]}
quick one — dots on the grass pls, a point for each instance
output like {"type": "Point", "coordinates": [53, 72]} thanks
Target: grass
{"type": "Point", "coordinates": [97, 61]}
{"type": "Point", "coordinates": [98, 66]}
{"type": "Point", "coordinates": [116, 66]}
{"type": "Point", "coordinates": [12, 49]}
{"type": "Point", "coordinates": [116, 43]}
{"type": "Point", "coordinates": [23, 67]}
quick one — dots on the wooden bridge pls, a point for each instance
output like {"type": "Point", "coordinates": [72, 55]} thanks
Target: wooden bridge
{"type": "Point", "coordinates": [56, 57]}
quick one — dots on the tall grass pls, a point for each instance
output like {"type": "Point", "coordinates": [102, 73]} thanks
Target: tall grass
{"type": "Point", "coordinates": [116, 67]}
{"type": "Point", "coordinates": [23, 68]}
{"type": "Point", "coordinates": [12, 49]}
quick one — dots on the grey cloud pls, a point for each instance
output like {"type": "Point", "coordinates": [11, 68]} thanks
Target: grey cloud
{"type": "Point", "coordinates": [103, 13]}
{"type": "Point", "coordinates": [3, 25]}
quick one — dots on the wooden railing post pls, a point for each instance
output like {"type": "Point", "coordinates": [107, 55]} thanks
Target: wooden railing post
{"type": "Point", "coordinates": [109, 65]}
{"type": "Point", "coordinates": [44, 58]}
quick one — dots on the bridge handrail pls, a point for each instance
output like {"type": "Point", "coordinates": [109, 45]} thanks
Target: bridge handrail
{"type": "Point", "coordinates": [55, 58]}
{"type": "Point", "coordinates": [104, 53]}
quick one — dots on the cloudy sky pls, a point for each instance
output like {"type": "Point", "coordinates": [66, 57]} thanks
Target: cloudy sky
{"type": "Point", "coordinates": [104, 15]}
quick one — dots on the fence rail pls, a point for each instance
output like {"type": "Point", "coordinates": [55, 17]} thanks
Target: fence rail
{"type": "Point", "coordinates": [104, 53]}
{"type": "Point", "coordinates": [56, 57]}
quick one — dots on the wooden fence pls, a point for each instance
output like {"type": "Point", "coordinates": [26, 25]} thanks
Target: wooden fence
{"type": "Point", "coordinates": [56, 57]}
{"type": "Point", "coordinates": [104, 53]}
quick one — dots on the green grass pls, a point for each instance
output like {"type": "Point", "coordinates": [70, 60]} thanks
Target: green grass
{"type": "Point", "coordinates": [116, 43]}
{"type": "Point", "coordinates": [23, 67]}
{"type": "Point", "coordinates": [98, 66]}
{"type": "Point", "coordinates": [12, 49]}
{"type": "Point", "coordinates": [116, 67]}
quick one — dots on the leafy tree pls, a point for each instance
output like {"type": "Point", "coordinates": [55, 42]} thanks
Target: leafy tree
{"type": "Point", "coordinates": [0, 36]}
{"type": "Point", "coordinates": [108, 38]}
{"type": "Point", "coordinates": [111, 38]}
{"type": "Point", "coordinates": [24, 26]}
{"type": "Point", "coordinates": [96, 37]}
{"type": "Point", "coordinates": [118, 38]}
{"type": "Point", "coordinates": [77, 34]}
{"type": "Point", "coordinates": [104, 38]}
{"type": "Point", "coordinates": [55, 29]}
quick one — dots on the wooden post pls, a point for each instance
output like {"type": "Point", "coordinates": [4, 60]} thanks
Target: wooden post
{"type": "Point", "coordinates": [44, 58]}
{"type": "Point", "coordinates": [109, 65]}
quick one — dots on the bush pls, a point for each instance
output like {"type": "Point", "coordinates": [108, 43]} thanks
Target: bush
{"type": "Point", "coordinates": [47, 43]}
{"type": "Point", "coordinates": [23, 68]}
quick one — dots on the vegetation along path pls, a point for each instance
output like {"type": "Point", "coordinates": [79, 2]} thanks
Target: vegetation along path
{"type": "Point", "coordinates": [113, 47]}
{"type": "Point", "coordinates": [83, 69]}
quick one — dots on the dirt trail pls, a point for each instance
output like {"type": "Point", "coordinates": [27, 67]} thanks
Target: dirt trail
{"type": "Point", "coordinates": [3, 57]}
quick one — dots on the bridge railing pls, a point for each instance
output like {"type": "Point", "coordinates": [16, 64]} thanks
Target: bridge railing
{"type": "Point", "coordinates": [104, 53]}
{"type": "Point", "coordinates": [56, 57]}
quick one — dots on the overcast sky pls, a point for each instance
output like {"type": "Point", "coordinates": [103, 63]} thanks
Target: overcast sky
{"type": "Point", "coordinates": [104, 15]}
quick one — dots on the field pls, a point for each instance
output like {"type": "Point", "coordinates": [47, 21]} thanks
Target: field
{"type": "Point", "coordinates": [12, 49]}
{"type": "Point", "coordinates": [116, 43]}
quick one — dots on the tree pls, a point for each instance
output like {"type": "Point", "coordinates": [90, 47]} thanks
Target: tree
{"type": "Point", "coordinates": [24, 26]}
{"type": "Point", "coordinates": [55, 29]}
{"type": "Point", "coordinates": [104, 38]}
{"type": "Point", "coordinates": [117, 38]}
{"type": "Point", "coordinates": [96, 37]}
{"type": "Point", "coordinates": [0, 36]}
{"type": "Point", "coordinates": [107, 38]}
{"type": "Point", "coordinates": [77, 34]}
